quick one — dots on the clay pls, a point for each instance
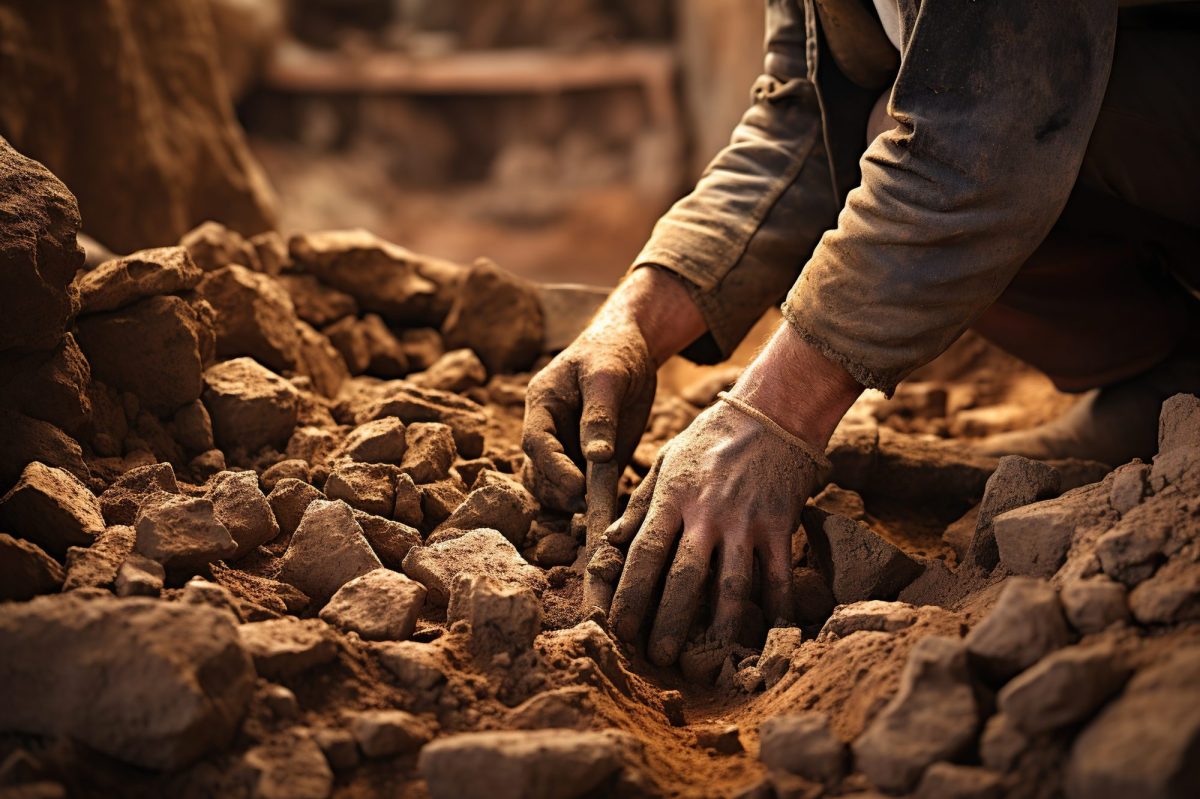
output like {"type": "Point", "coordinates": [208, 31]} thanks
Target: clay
{"type": "Point", "coordinates": [391, 540]}
{"type": "Point", "coordinates": [411, 404]}
{"type": "Point", "coordinates": [140, 576]}
{"type": "Point", "coordinates": [1094, 604]}
{"type": "Point", "coordinates": [380, 441]}
{"type": "Point", "coordinates": [1063, 688]}
{"type": "Point", "coordinates": [1025, 625]}
{"type": "Point", "coordinates": [506, 506]}
{"type": "Point", "coordinates": [241, 507]}
{"type": "Point", "coordinates": [457, 371]}
{"type": "Point", "coordinates": [320, 362]}
{"type": "Point", "coordinates": [24, 439]}
{"type": "Point", "coordinates": [213, 246]}
{"type": "Point", "coordinates": [288, 500]}
{"type": "Point", "coordinates": [52, 509]}
{"type": "Point", "coordinates": [951, 781]}
{"type": "Point", "coordinates": [856, 562]}
{"type": "Point", "coordinates": [385, 355]}
{"type": "Point", "coordinates": [53, 386]}
{"type": "Point", "coordinates": [386, 733]}
{"type": "Point", "coordinates": [369, 487]}
{"type": "Point", "coordinates": [316, 304]}
{"type": "Point", "coordinates": [293, 768]}
{"type": "Point", "coordinates": [96, 566]}
{"type": "Point", "coordinates": [349, 337]}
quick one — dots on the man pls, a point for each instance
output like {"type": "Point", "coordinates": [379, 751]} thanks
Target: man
{"type": "Point", "coordinates": [1018, 177]}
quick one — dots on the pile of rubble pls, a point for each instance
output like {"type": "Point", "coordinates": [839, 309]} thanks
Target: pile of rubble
{"type": "Point", "coordinates": [263, 532]}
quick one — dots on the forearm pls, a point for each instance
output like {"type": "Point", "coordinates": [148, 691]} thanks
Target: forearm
{"type": "Point", "coordinates": [661, 307]}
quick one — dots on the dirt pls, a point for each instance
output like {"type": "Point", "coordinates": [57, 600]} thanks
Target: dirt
{"type": "Point", "coordinates": [233, 673]}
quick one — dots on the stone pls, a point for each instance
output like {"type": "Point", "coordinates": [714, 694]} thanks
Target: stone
{"type": "Point", "coordinates": [854, 560]}
{"type": "Point", "coordinates": [1145, 742]}
{"type": "Point", "coordinates": [1017, 482]}
{"type": "Point", "coordinates": [214, 246]}
{"type": "Point", "coordinates": [1094, 604]}
{"type": "Point", "coordinates": [457, 371]}
{"type": "Point", "coordinates": [952, 781]}
{"type": "Point", "coordinates": [292, 468]}
{"type": "Point", "coordinates": [146, 273]}
{"type": "Point", "coordinates": [1065, 687]}
{"type": "Point", "coordinates": [840, 501]}
{"type": "Point", "coordinates": [349, 337]}
{"type": "Point", "coordinates": [369, 487]}
{"type": "Point", "coordinates": [317, 304]}
{"type": "Point", "coordinates": [251, 407]}
{"type": "Point", "coordinates": [26, 571]}
{"type": "Point", "coordinates": [1179, 424]}
{"type": "Point", "coordinates": [569, 707]}
{"type": "Point", "coordinates": [255, 317]}
{"type": "Point", "coordinates": [207, 464]}
{"type": "Point", "coordinates": [192, 427]}
{"type": "Point", "coordinates": [198, 591]}
{"type": "Point", "coordinates": [164, 683]}
{"type": "Point", "coordinates": [518, 764]}
{"type": "Point", "coordinates": [1002, 744]}
{"type": "Point", "coordinates": [381, 605]}
{"type": "Point", "coordinates": [1130, 485]}
{"type": "Point", "coordinates": [287, 646]}
{"type": "Point", "coordinates": [469, 470]}
{"type": "Point", "coordinates": [379, 441]}
{"type": "Point", "coordinates": [390, 540]}
{"type": "Point", "coordinates": [419, 667]}
{"type": "Point", "coordinates": [497, 315]}
{"type": "Point", "coordinates": [438, 501]}
{"type": "Point", "coordinates": [1130, 551]}
{"type": "Point", "coordinates": [24, 439]}
{"type": "Point", "coordinates": [386, 733]}
{"type": "Point", "coordinates": [339, 746]}
{"type": "Point", "coordinates": [1171, 596]}
{"type": "Point", "coordinates": [51, 508]}
{"type": "Point", "coordinates": [407, 509]}
{"type": "Point", "coordinates": [411, 404]}
{"type": "Point", "coordinates": [814, 601]}
{"type": "Point", "coordinates": [1025, 625]}
{"type": "Point", "coordinates": [802, 743]}
{"type": "Point", "coordinates": [503, 617]}
{"type": "Point", "coordinates": [781, 644]}
{"type": "Point", "coordinates": [556, 549]}
{"type": "Point", "coordinates": [430, 452]}
{"type": "Point", "coordinates": [275, 596]}
{"type": "Point", "coordinates": [243, 509]}
{"type": "Point", "coordinates": [38, 253]}
{"type": "Point", "coordinates": [423, 346]}
{"type": "Point", "coordinates": [54, 386]}
{"type": "Point", "coordinates": [327, 551]}
{"type": "Point", "coordinates": [320, 362]}
{"type": "Point", "coordinates": [96, 566]}
{"type": "Point", "coordinates": [292, 768]}
{"type": "Point", "coordinates": [932, 716]}
{"type": "Point", "coordinates": [140, 576]}
{"type": "Point", "coordinates": [1033, 540]}
{"type": "Point", "coordinates": [478, 552]}
{"type": "Point", "coordinates": [507, 507]}
{"type": "Point", "coordinates": [182, 533]}
{"type": "Point", "coordinates": [875, 615]}
{"type": "Point", "coordinates": [156, 349]}
{"type": "Point", "coordinates": [288, 500]}
{"type": "Point", "coordinates": [385, 355]}
{"type": "Point", "coordinates": [272, 252]}
{"type": "Point", "coordinates": [724, 739]}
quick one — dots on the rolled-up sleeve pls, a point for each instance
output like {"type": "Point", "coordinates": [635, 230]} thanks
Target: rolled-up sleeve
{"type": "Point", "coordinates": [995, 102]}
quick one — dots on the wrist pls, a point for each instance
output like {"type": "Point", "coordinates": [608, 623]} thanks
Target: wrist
{"type": "Point", "coordinates": [658, 303]}
{"type": "Point", "coordinates": [799, 388]}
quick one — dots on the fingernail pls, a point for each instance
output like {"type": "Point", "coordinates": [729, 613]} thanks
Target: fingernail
{"type": "Point", "coordinates": [598, 450]}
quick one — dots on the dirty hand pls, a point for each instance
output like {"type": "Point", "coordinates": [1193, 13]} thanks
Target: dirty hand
{"type": "Point", "coordinates": [735, 483]}
{"type": "Point", "coordinates": [592, 400]}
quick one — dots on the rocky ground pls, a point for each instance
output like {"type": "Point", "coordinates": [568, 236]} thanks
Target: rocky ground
{"type": "Point", "coordinates": [264, 533]}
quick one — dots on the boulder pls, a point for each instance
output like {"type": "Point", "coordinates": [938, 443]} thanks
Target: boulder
{"type": "Point", "coordinates": [498, 316]}
{"type": "Point", "coordinates": [154, 684]}
{"type": "Point", "coordinates": [327, 551]}
{"type": "Point", "coordinates": [26, 571]}
{"type": "Point", "coordinates": [1025, 625]}
{"type": "Point", "coordinates": [430, 452]}
{"type": "Point", "coordinates": [803, 744]}
{"type": "Point", "coordinates": [96, 566]}
{"type": "Point", "coordinates": [478, 552]}
{"type": "Point", "coordinates": [181, 533]}
{"type": "Point", "coordinates": [1065, 687]}
{"type": "Point", "coordinates": [386, 733]}
{"type": "Point", "coordinates": [120, 501]}
{"type": "Point", "coordinates": [856, 562]}
{"type": "Point", "coordinates": [255, 317]}
{"type": "Point", "coordinates": [287, 646]}
{"type": "Point", "coordinates": [1017, 481]}
{"type": "Point", "coordinates": [51, 508]}
{"type": "Point", "coordinates": [241, 507]}
{"type": "Point", "coordinates": [381, 605]}
{"type": "Point", "coordinates": [251, 407]}
{"type": "Point", "coordinates": [146, 273]}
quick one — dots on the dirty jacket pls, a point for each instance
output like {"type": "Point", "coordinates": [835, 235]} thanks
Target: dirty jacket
{"type": "Point", "coordinates": [902, 245]}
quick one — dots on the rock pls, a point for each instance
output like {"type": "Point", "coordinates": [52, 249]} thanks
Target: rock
{"type": "Point", "coordinates": [840, 501]}
{"type": "Point", "coordinates": [950, 781]}
{"type": "Point", "coordinates": [380, 441]}
{"type": "Point", "coordinates": [386, 733]}
{"type": "Point", "coordinates": [241, 507]}
{"type": "Point", "coordinates": [1171, 596]}
{"type": "Point", "coordinates": [38, 253]}
{"type": "Point", "coordinates": [317, 304]}
{"type": "Point", "coordinates": [1017, 481]}
{"type": "Point", "coordinates": [1034, 540]}
{"type": "Point", "coordinates": [875, 615]}
{"type": "Point", "coordinates": [1130, 484]}
{"type": "Point", "coordinates": [391, 540]}
{"type": "Point", "coordinates": [781, 644]}
{"type": "Point", "coordinates": [288, 500]}
{"type": "Point", "coordinates": [53, 386]}
{"type": "Point", "coordinates": [207, 464]}
{"type": "Point", "coordinates": [814, 601]}
{"type": "Point", "coordinates": [933, 716]}
{"type": "Point", "coordinates": [1025, 625]}
{"type": "Point", "coordinates": [381, 605]}
{"type": "Point", "coordinates": [349, 337]}
{"type": "Point", "coordinates": [214, 246]}
{"type": "Point", "coordinates": [255, 317]}
{"type": "Point", "coordinates": [1094, 604]}
{"type": "Point", "coordinates": [369, 487]}
{"type": "Point", "coordinates": [412, 404]}
{"type": "Point", "coordinates": [556, 549]}
{"type": "Point", "coordinates": [1065, 687]}
{"type": "Point", "coordinates": [164, 683]}
{"type": "Point", "coordinates": [96, 566]}
{"type": "Point", "coordinates": [339, 746]}
{"type": "Point", "coordinates": [430, 452]}
{"type": "Point", "coordinates": [1130, 551]}
{"type": "Point", "coordinates": [327, 551]}
{"type": "Point", "coordinates": [320, 361]}
{"type": "Point", "coordinates": [505, 506]}
{"type": "Point", "coordinates": [155, 349]}
{"type": "Point", "coordinates": [146, 273]}
{"type": "Point", "coordinates": [140, 576]}
{"type": "Point", "coordinates": [438, 501]}
{"type": "Point", "coordinates": [192, 428]}
{"type": "Point", "coordinates": [1002, 744]}
{"type": "Point", "coordinates": [724, 739]}
{"type": "Point", "coordinates": [24, 439]}
{"type": "Point", "coordinates": [1179, 424]}
{"type": "Point", "coordinates": [121, 501]}
{"type": "Point", "coordinates": [469, 470]}
{"type": "Point", "coordinates": [282, 647]}
{"type": "Point", "coordinates": [422, 346]}
{"type": "Point", "coordinates": [271, 594]}
{"type": "Point", "coordinates": [518, 765]}
{"type": "Point", "coordinates": [294, 768]}
{"type": "Point", "coordinates": [251, 407]}
{"type": "Point", "coordinates": [198, 591]}
{"type": "Point", "coordinates": [457, 371]}
{"type": "Point", "coordinates": [181, 533]}
{"type": "Point", "coordinates": [51, 508]}
{"type": "Point", "coordinates": [498, 316]}
{"type": "Point", "coordinates": [385, 355]}
{"type": "Point", "coordinates": [272, 252]}
{"type": "Point", "coordinates": [856, 562]}
{"type": "Point", "coordinates": [405, 288]}
{"type": "Point", "coordinates": [292, 468]}
{"type": "Point", "coordinates": [803, 744]}
{"type": "Point", "coordinates": [570, 707]}
{"type": "Point", "coordinates": [417, 666]}
{"type": "Point", "coordinates": [26, 571]}
{"type": "Point", "coordinates": [407, 509]}
{"type": "Point", "coordinates": [503, 617]}
{"type": "Point", "coordinates": [1145, 742]}
{"type": "Point", "coordinates": [479, 552]}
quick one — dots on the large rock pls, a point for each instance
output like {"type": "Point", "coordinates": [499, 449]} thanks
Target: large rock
{"type": "Point", "coordinates": [155, 349]}
{"type": "Point", "coordinates": [146, 273]}
{"type": "Point", "coordinates": [503, 505]}
{"type": "Point", "coordinates": [25, 570]}
{"type": "Point", "coordinates": [327, 551]}
{"type": "Point", "coordinates": [282, 647]}
{"type": "Point", "coordinates": [24, 439]}
{"type": "Point", "coordinates": [933, 716]}
{"type": "Point", "coordinates": [1017, 481]}
{"type": "Point", "coordinates": [381, 605]}
{"type": "Point", "coordinates": [1025, 625]}
{"type": "Point", "coordinates": [855, 561]}
{"type": "Point", "coordinates": [151, 683]}
{"type": "Point", "coordinates": [251, 407]}
{"type": "Point", "coordinates": [498, 316]}
{"type": "Point", "coordinates": [1065, 687]}
{"type": "Point", "coordinates": [519, 765]}
{"type": "Point", "coordinates": [803, 744]}
{"type": "Point", "coordinates": [181, 533]}
{"type": "Point", "coordinates": [51, 508]}
{"type": "Point", "coordinates": [38, 253]}
{"type": "Point", "coordinates": [52, 386]}
{"type": "Point", "coordinates": [380, 441]}
{"type": "Point", "coordinates": [413, 404]}
{"type": "Point", "coordinates": [243, 509]}
{"type": "Point", "coordinates": [255, 317]}
{"type": "Point", "coordinates": [369, 487]}
{"type": "Point", "coordinates": [479, 552]}
{"type": "Point", "coordinates": [121, 501]}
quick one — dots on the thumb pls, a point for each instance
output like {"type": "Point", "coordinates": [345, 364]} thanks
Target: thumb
{"type": "Point", "coordinates": [598, 421]}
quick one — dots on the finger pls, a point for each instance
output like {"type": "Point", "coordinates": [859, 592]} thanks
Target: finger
{"type": "Point", "coordinates": [622, 530]}
{"type": "Point", "coordinates": [680, 597]}
{"type": "Point", "coordinates": [540, 442]}
{"type": "Point", "coordinates": [733, 588]}
{"type": "Point", "coordinates": [775, 551]}
{"type": "Point", "coordinates": [602, 391]}
{"type": "Point", "coordinates": [644, 563]}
